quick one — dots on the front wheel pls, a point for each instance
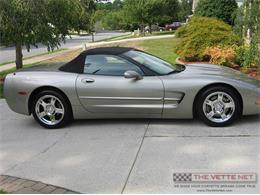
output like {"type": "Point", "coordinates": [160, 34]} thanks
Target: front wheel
{"type": "Point", "coordinates": [51, 109]}
{"type": "Point", "coordinates": [219, 106]}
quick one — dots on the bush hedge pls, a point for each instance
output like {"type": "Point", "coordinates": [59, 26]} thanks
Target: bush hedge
{"type": "Point", "coordinates": [221, 9]}
{"type": "Point", "coordinates": [225, 56]}
{"type": "Point", "coordinates": [201, 33]}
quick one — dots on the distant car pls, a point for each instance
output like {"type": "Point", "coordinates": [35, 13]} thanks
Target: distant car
{"type": "Point", "coordinates": [120, 82]}
{"type": "Point", "coordinates": [154, 27]}
{"type": "Point", "coordinates": [173, 26]}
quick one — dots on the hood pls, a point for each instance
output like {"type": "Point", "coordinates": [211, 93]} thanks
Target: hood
{"type": "Point", "coordinates": [209, 70]}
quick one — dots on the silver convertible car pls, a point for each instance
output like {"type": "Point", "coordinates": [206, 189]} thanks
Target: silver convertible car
{"type": "Point", "coordinates": [120, 82]}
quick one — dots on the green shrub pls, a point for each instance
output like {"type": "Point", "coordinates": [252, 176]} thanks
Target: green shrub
{"type": "Point", "coordinates": [245, 56]}
{"type": "Point", "coordinates": [201, 33]}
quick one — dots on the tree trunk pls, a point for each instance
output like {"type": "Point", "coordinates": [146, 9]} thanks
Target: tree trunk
{"type": "Point", "coordinates": [150, 29]}
{"type": "Point", "coordinates": [93, 38]}
{"type": "Point", "coordinates": [19, 56]}
{"type": "Point", "coordinates": [143, 29]}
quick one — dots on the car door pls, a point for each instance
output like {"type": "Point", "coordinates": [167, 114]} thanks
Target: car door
{"type": "Point", "coordinates": [102, 88]}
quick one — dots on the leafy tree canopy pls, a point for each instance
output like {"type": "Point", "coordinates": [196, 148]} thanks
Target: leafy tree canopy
{"type": "Point", "coordinates": [85, 17]}
{"type": "Point", "coordinates": [221, 9]}
{"type": "Point", "coordinates": [139, 13]}
{"type": "Point", "coordinates": [185, 10]}
{"type": "Point", "coordinates": [143, 12]}
{"type": "Point", "coordinates": [115, 5]}
{"type": "Point", "coordinates": [247, 26]}
{"type": "Point", "coordinates": [29, 22]}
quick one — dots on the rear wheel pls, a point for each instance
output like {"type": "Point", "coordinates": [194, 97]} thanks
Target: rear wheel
{"type": "Point", "coordinates": [51, 109]}
{"type": "Point", "coordinates": [219, 106]}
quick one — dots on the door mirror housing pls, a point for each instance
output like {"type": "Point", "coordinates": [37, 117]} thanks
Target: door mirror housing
{"type": "Point", "coordinates": [131, 74]}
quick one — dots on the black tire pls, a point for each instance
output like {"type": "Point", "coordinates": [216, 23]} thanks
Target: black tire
{"type": "Point", "coordinates": [231, 92]}
{"type": "Point", "coordinates": [67, 116]}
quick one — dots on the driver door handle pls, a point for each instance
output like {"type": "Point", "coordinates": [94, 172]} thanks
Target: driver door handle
{"type": "Point", "coordinates": [88, 80]}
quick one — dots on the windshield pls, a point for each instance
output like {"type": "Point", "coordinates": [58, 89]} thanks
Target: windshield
{"type": "Point", "coordinates": [153, 63]}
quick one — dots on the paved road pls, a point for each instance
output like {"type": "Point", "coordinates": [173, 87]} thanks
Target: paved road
{"type": "Point", "coordinates": [129, 156]}
{"type": "Point", "coordinates": [8, 54]}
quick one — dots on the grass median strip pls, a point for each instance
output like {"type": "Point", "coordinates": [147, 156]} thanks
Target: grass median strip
{"type": "Point", "coordinates": [130, 36]}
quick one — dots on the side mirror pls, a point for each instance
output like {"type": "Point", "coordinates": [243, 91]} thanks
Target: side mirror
{"type": "Point", "coordinates": [131, 74]}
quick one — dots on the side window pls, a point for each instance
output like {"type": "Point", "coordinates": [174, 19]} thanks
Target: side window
{"type": "Point", "coordinates": [108, 65]}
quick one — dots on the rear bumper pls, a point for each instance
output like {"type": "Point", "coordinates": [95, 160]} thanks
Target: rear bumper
{"type": "Point", "coordinates": [16, 102]}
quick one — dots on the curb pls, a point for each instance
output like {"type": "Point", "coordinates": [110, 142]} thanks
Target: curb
{"type": "Point", "coordinates": [16, 185]}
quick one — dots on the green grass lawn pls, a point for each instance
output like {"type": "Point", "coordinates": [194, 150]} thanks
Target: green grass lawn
{"type": "Point", "coordinates": [163, 48]}
{"type": "Point", "coordinates": [2, 192]}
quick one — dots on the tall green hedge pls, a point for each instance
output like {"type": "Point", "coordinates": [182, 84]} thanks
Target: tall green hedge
{"type": "Point", "coordinates": [201, 33]}
{"type": "Point", "coordinates": [221, 9]}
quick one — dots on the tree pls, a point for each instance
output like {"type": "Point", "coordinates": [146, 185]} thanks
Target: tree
{"type": "Point", "coordinates": [221, 9]}
{"type": "Point", "coordinates": [185, 10]}
{"type": "Point", "coordinates": [117, 5]}
{"type": "Point", "coordinates": [85, 20]}
{"type": "Point", "coordinates": [247, 26]}
{"type": "Point", "coordinates": [170, 11]}
{"type": "Point", "coordinates": [104, 6]}
{"type": "Point", "coordinates": [109, 15]}
{"type": "Point", "coordinates": [29, 22]}
{"type": "Point", "coordinates": [148, 12]}
{"type": "Point", "coordinates": [143, 12]}
{"type": "Point", "coordinates": [136, 12]}
{"type": "Point", "coordinates": [113, 20]}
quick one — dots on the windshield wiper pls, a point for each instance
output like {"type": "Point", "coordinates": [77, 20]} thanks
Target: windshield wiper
{"type": "Point", "coordinates": [96, 71]}
{"type": "Point", "coordinates": [174, 71]}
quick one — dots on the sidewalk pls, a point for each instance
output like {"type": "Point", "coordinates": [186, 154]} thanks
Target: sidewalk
{"type": "Point", "coordinates": [39, 58]}
{"type": "Point", "coordinates": [16, 185]}
{"type": "Point", "coordinates": [95, 44]}
{"type": "Point", "coordinates": [84, 46]}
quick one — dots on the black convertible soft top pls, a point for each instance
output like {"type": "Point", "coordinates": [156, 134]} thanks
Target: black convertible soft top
{"type": "Point", "coordinates": [77, 64]}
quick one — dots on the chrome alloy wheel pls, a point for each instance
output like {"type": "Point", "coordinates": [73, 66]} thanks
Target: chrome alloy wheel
{"type": "Point", "coordinates": [49, 110]}
{"type": "Point", "coordinates": [218, 107]}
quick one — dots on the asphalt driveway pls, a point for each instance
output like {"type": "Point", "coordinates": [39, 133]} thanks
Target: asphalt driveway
{"type": "Point", "coordinates": [126, 156]}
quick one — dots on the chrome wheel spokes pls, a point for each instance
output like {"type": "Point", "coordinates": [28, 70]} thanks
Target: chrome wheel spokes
{"type": "Point", "coordinates": [218, 107]}
{"type": "Point", "coordinates": [49, 109]}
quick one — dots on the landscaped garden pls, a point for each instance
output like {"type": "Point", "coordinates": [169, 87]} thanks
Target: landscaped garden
{"type": "Point", "coordinates": [221, 33]}
{"type": "Point", "coordinates": [209, 40]}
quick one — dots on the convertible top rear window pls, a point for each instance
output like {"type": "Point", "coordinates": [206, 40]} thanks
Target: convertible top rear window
{"type": "Point", "coordinates": [77, 64]}
{"type": "Point", "coordinates": [110, 65]}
